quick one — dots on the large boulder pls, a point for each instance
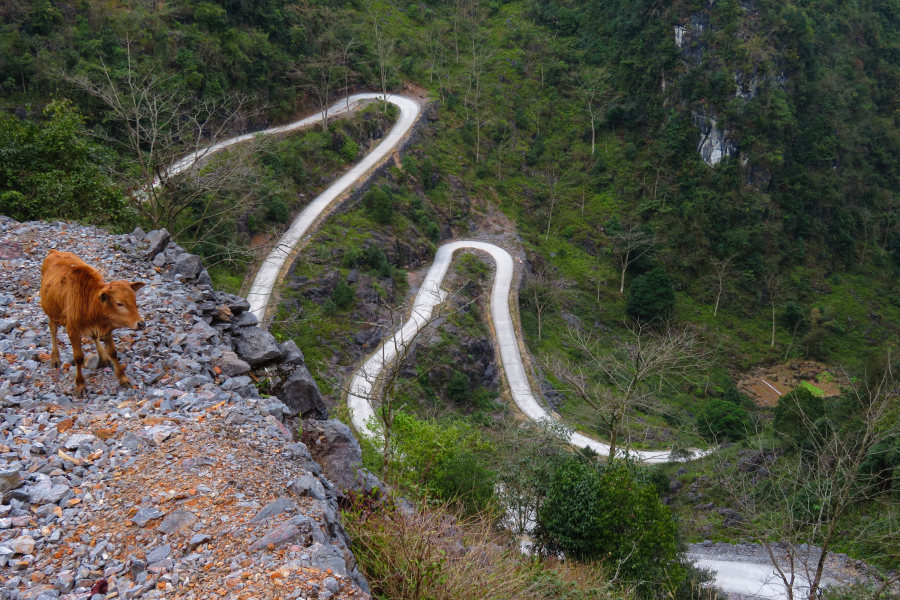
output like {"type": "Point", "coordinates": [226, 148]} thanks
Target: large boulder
{"type": "Point", "coordinates": [188, 266]}
{"type": "Point", "coordinates": [301, 394]}
{"type": "Point", "coordinates": [257, 347]}
{"type": "Point", "coordinates": [291, 353]}
{"type": "Point", "coordinates": [341, 457]}
{"type": "Point", "coordinates": [158, 241]}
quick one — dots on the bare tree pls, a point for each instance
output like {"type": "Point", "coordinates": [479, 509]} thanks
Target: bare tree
{"type": "Point", "coordinates": [832, 468]}
{"type": "Point", "coordinates": [630, 377]}
{"type": "Point", "coordinates": [889, 210]}
{"type": "Point", "coordinates": [542, 292]}
{"type": "Point", "coordinates": [556, 185]}
{"type": "Point", "coordinates": [773, 285]}
{"type": "Point", "coordinates": [459, 13]}
{"type": "Point", "coordinates": [319, 75]}
{"type": "Point", "coordinates": [345, 67]}
{"type": "Point", "coordinates": [168, 137]}
{"type": "Point", "coordinates": [437, 49]}
{"type": "Point", "coordinates": [721, 271]}
{"type": "Point", "coordinates": [596, 96]}
{"type": "Point", "coordinates": [482, 55]}
{"type": "Point", "coordinates": [385, 50]}
{"type": "Point", "coordinates": [629, 245]}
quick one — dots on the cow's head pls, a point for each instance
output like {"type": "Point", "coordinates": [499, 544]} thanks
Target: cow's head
{"type": "Point", "coordinates": [119, 304]}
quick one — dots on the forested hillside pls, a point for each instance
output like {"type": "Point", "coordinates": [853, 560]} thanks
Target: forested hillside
{"type": "Point", "coordinates": [722, 177]}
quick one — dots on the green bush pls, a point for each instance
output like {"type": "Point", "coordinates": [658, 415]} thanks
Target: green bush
{"type": "Point", "coordinates": [349, 151]}
{"type": "Point", "coordinates": [52, 169]}
{"type": "Point", "coordinates": [379, 204]}
{"type": "Point", "coordinates": [723, 421]}
{"type": "Point", "coordinates": [458, 388]}
{"type": "Point", "coordinates": [651, 295]}
{"type": "Point", "coordinates": [600, 513]}
{"type": "Point", "coordinates": [796, 414]}
{"type": "Point", "coordinates": [343, 295]}
{"type": "Point", "coordinates": [375, 258]}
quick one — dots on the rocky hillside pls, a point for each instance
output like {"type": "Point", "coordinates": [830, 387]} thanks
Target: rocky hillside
{"type": "Point", "coordinates": [190, 484]}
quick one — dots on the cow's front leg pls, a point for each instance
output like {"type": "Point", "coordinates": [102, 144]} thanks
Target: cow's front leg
{"type": "Point", "coordinates": [114, 355]}
{"type": "Point", "coordinates": [54, 345]}
{"type": "Point", "coordinates": [78, 357]}
{"type": "Point", "coordinates": [102, 355]}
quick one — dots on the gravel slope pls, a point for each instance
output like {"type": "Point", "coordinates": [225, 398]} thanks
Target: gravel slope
{"type": "Point", "coordinates": [188, 484]}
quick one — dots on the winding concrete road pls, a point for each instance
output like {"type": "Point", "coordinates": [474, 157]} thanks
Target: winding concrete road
{"type": "Point", "coordinates": [429, 296]}
{"type": "Point", "coordinates": [267, 275]}
{"type": "Point", "coordinates": [745, 578]}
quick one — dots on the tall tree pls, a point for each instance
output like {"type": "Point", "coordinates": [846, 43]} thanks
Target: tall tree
{"type": "Point", "coordinates": [596, 96]}
{"type": "Point", "coordinates": [168, 137]}
{"type": "Point", "coordinates": [385, 51]}
{"type": "Point", "coordinates": [629, 244]}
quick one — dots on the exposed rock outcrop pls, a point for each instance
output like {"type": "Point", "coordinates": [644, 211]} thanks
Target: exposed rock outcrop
{"type": "Point", "coordinates": [189, 483]}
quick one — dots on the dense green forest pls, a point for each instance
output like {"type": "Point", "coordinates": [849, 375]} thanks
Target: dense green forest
{"type": "Point", "coordinates": [729, 169]}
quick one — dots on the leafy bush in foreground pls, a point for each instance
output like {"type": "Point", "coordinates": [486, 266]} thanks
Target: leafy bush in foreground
{"type": "Point", "coordinates": [600, 513]}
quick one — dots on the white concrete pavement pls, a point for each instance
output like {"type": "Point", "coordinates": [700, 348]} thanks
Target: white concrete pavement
{"type": "Point", "coordinates": [429, 296]}
{"type": "Point", "coordinates": [267, 275]}
{"type": "Point", "coordinates": [752, 579]}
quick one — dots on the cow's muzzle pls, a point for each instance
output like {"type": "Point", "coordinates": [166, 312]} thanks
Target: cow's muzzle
{"type": "Point", "coordinates": [140, 325]}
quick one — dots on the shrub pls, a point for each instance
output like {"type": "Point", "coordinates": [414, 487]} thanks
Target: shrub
{"type": "Point", "coordinates": [376, 259]}
{"type": "Point", "coordinates": [52, 169]}
{"type": "Point", "coordinates": [796, 414]}
{"type": "Point", "coordinates": [651, 295]}
{"type": "Point", "coordinates": [458, 388]}
{"type": "Point", "coordinates": [600, 513]}
{"type": "Point", "coordinates": [723, 421]}
{"type": "Point", "coordinates": [379, 204]}
{"type": "Point", "coordinates": [343, 295]}
{"type": "Point", "coordinates": [349, 151]}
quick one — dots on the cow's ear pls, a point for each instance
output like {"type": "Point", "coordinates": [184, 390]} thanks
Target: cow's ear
{"type": "Point", "coordinates": [104, 296]}
{"type": "Point", "coordinates": [136, 285]}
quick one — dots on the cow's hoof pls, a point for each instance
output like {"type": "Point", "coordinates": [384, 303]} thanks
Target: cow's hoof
{"type": "Point", "coordinates": [124, 382]}
{"type": "Point", "coordinates": [106, 363]}
{"type": "Point", "coordinates": [79, 393]}
{"type": "Point", "coordinates": [55, 363]}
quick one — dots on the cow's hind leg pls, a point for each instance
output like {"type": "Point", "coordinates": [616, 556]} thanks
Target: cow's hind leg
{"type": "Point", "coordinates": [114, 355]}
{"type": "Point", "coordinates": [78, 357]}
{"type": "Point", "coordinates": [102, 355]}
{"type": "Point", "coordinates": [54, 345]}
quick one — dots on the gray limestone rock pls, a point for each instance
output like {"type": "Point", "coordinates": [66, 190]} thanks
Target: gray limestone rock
{"type": "Point", "coordinates": [230, 364]}
{"type": "Point", "coordinates": [188, 266]}
{"type": "Point", "coordinates": [291, 353]}
{"type": "Point", "coordinates": [158, 241]}
{"type": "Point", "coordinates": [300, 393]}
{"type": "Point", "coordinates": [279, 536]}
{"type": "Point", "coordinates": [9, 480]}
{"type": "Point", "coordinates": [256, 346]}
{"type": "Point", "coordinates": [145, 515]}
{"type": "Point", "coordinates": [175, 520]}
{"type": "Point", "coordinates": [308, 485]}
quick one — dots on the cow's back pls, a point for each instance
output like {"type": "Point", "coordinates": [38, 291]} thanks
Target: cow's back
{"type": "Point", "coordinates": [67, 286]}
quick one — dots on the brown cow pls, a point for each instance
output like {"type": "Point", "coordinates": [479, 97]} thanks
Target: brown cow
{"type": "Point", "coordinates": [74, 294]}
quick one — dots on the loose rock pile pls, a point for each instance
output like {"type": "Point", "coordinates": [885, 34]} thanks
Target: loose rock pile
{"type": "Point", "coordinates": [189, 484]}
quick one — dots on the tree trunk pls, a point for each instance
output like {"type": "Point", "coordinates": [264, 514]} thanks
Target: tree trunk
{"type": "Point", "coordinates": [772, 345]}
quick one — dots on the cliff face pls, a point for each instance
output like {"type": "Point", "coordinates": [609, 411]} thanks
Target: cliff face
{"type": "Point", "coordinates": [189, 484]}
